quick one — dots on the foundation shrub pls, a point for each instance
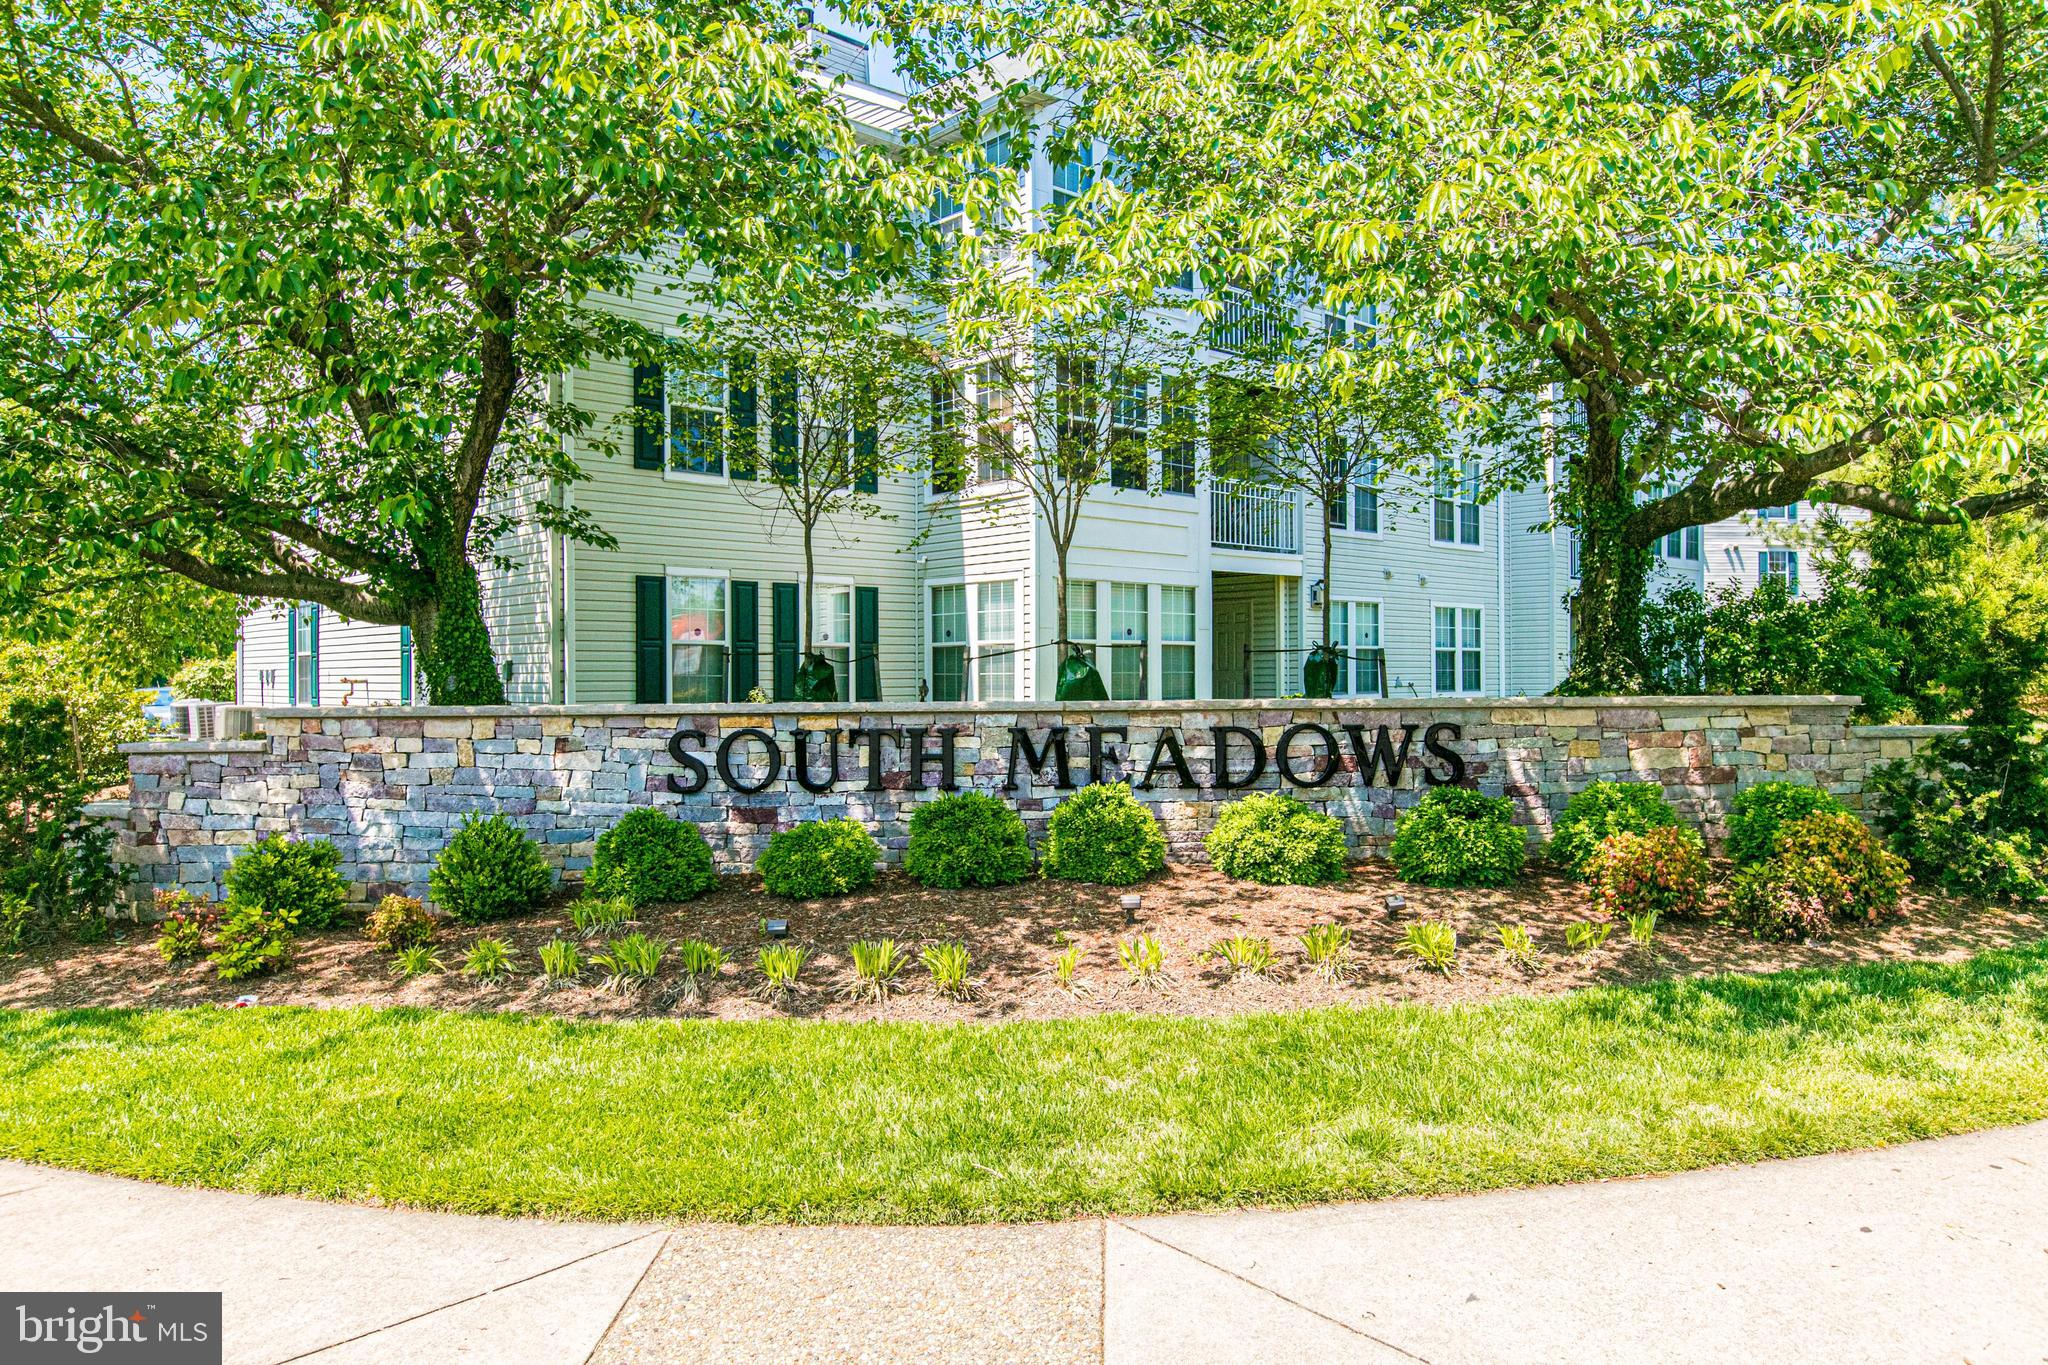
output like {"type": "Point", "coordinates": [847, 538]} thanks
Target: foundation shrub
{"type": "Point", "coordinates": [1455, 836]}
{"type": "Point", "coordinates": [490, 869]}
{"type": "Point", "coordinates": [254, 940]}
{"type": "Point", "coordinates": [1103, 834]}
{"type": "Point", "coordinates": [819, 858]}
{"type": "Point", "coordinates": [399, 922]}
{"type": "Point", "coordinates": [1661, 872]}
{"type": "Point", "coordinates": [649, 857]}
{"type": "Point", "coordinates": [1759, 812]}
{"type": "Point", "coordinates": [1773, 902]}
{"type": "Point", "coordinates": [1274, 839]}
{"type": "Point", "coordinates": [302, 876]}
{"type": "Point", "coordinates": [967, 839]}
{"type": "Point", "coordinates": [1838, 858]}
{"type": "Point", "coordinates": [1602, 809]}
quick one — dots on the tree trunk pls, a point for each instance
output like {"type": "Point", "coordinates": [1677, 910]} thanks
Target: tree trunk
{"type": "Point", "coordinates": [807, 611]}
{"type": "Point", "coordinates": [451, 646]}
{"type": "Point", "coordinates": [1607, 609]}
{"type": "Point", "coordinates": [1329, 556]}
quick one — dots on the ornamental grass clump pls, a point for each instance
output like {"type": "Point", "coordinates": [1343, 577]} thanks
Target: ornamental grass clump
{"type": "Point", "coordinates": [650, 857]}
{"type": "Point", "coordinates": [1244, 956]}
{"type": "Point", "coordinates": [561, 962]}
{"type": "Point", "coordinates": [631, 960]}
{"type": "Point", "coordinates": [399, 922]}
{"type": "Point", "coordinates": [490, 869]}
{"type": "Point", "coordinates": [489, 959]}
{"type": "Point", "coordinates": [1603, 809]}
{"type": "Point", "coordinates": [1758, 813]}
{"type": "Point", "coordinates": [701, 962]}
{"type": "Point", "coordinates": [819, 858]}
{"type": "Point", "coordinates": [967, 839]}
{"type": "Point", "coordinates": [302, 877]}
{"type": "Point", "coordinates": [1105, 835]}
{"type": "Point", "coordinates": [781, 964]}
{"type": "Point", "coordinates": [1518, 946]}
{"type": "Point", "coordinates": [1274, 839]}
{"type": "Point", "coordinates": [1663, 872]}
{"type": "Point", "coordinates": [1325, 946]}
{"type": "Point", "coordinates": [949, 965]}
{"type": "Point", "coordinates": [877, 963]}
{"type": "Point", "coordinates": [600, 914]}
{"type": "Point", "coordinates": [418, 960]}
{"type": "Point", "coordinates": [1433, 943]}
{"type": "Point", "coordinates": [1454, 836]}
{"type": "Point", "coordinates": [1143, 960]}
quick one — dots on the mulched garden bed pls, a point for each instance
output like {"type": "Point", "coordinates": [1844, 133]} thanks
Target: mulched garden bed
{"type": "Point", "coordinates": [1013, 934]}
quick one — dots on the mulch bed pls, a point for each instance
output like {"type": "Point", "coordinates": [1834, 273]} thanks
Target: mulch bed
{"type": "Point", "coordinates": [1013, 934]}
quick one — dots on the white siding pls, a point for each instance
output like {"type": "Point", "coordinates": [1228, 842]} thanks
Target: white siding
{"type": "Point", "coordinates": [1733, 545]}
{"type": "Point", "coordinates": [359, 662]}
{"type": "Point", "coordinates": [518, 603]}
{"type": "Point", "coordinates": [261, 656]}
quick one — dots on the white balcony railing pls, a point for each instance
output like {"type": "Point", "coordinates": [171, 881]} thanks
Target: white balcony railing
{"type": "Point", "coordinates": [1249, 516]}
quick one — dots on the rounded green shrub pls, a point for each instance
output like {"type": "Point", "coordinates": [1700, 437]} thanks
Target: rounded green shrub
{"type": "Point", "coordinates": [299, 876]}
{"type": "Point", "coordinates": [967, 839]}
{"type": "Point", "coordinates": [1761, 811]}
{"type": "Point", "coordinates": [819, 858]}
{"type": "Point", "coordinates": [649, 856]}
{"type": "Point", "coordinates": [399, 922]}
{"type": "Point", "coordinates": [1274, 839]}
{"type": "Point", "coordinates": [1456, 837]}
{"type": "Point", "coordinates": [488, 870]}
{"type": "Point", "coordinates": [1661, 872]}
{"type": "Point", "coordinates": [253, 940]}
{"type": "Point", "coordinates": [1838, 859]}
{"type": "Point", "coordinates": [1602, 809]}
{"type": "Point", "coordinates": [1773, 902]}
{"type": "Point", "coordinates": [1103, 834]}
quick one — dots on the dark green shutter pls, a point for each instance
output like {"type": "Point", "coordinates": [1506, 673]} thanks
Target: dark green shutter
{"type": "Point", "coordinates": [782, 438]}
{"type": "Point", "coordinates": [650, 638]}
{"type": "Point", "coordinates": [649, 417]}
{"type": "Point", "coordinates": [867, 641]}
{"type": "Point", "coordinates": [313, 630]}
{"type": "Point", "coordinates": [291, 652]}
{"type": "Point", "coordinates": [405, 663]}
{"type": "Point", "coordinates": [787, 635]}
{"type": "Point", "coordinates": [744, 454]}
{"type": "Point", "coordinates": [867, 443]}
{"type": "Point", "coordinates": [746, 639]}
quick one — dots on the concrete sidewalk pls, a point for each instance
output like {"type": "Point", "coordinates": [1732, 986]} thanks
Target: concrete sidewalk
{"type": "Point", "coordinates": [1931, 1252]}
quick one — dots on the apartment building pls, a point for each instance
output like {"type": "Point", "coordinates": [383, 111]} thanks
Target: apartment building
{"type": "Point", "coordinates": [1181, 585]}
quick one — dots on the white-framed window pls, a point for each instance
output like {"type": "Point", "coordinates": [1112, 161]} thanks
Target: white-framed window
{"type": "Point", "coordinates": [995, 443]}
{"type": "Point", "coordinates": [1129, 640]}
{"type": "Point", "coordinates": [1571, 544]}
{"type": "Point", "coordinates": [949, 214]}
{"type": "Point", "coordinates": [948, 473]}
{"type": "Point", "coordinates": [1460, 646]}
{"type": "Point", "coordinates": [1355, 630]}
{"type": "Point", "coordinates": [1176, 643]}
{"type": "Point", "coordinates": [1083, 620]}
{"type": "Point", "coordinates": [1457, 502]}
{"type": "Point", "coordinates": [1789, 512]}
{"type": "Point", "coordinates": [1358, 511]}
{"type": "Point", "coordinates": [303, 632]}
{"type": "Point", "coordinates": [1177, 457]}
{"type": "Point", "coordinates": [696, 420]}
{"type": "Point", "coordinates": [995, 640]}
{"type": "Point", "coordinates": [949, 642]}
{"type": "Point", "coordinates": [1130, 408]}
{"type": "Point", "coordinates": [1071, 178]}
{"type": "Point", "coordinates": [832, 632]}
{"type": "Point", "coordinates": [697, 639]}
{"type": "Point", "coordinates": [1683, 544]}
{"type": "Point", "coordinates": [1782, 565]}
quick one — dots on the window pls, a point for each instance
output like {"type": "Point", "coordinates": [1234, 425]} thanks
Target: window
{"type": "Point", "coordinates": [696, 638]}
{"type": "Point", "coordinates": [1782, 565]}
{"type": "Point", "coordinates": [304, 635]}
{"type": "Point", "coordinates": [1128, 640]}
{"type": "Point", "coordinates": [995, 641]}
{"type": "Point", "coordinates": [1082, 618]}
{"type": "Point", "coordinates": [1457, 502]}
{"type": "Point", "coordinates": [1177, 457]}
{"type": "Point", "coordinates": [949, 643]}
{"type": "Point", "coordinates": [1177, 643]}
{"type": "Point", "coordinates": [1127, 422]}
{"type": "Point", "coordinates": [948, 213]}
{"type": "Point", "coordinates": [1458, 648]}
{"type": "Point", "coordinates": [1355, 629]}
{"type": "Point", "coordinates": [949, 454]}
{"type": "Point", "coordinates": [995, 437]}
{"type": "Point", "coordinates": [1789, 512]}
{"type": "Point", "coordinates": [832, 633]}
{"type": "Point", "coordinates": [1359, 509]}
{"type": "Point", "coordinates": [1074, 415]}
{"type": "Point", "coordinates": [1685, 544]}
{"type": "Point", "coordinates": [696, 421]}
{"type": "Point", "coordinates": [1071, 179]}
{"type": "Point", "coordinates": [1571, 544]}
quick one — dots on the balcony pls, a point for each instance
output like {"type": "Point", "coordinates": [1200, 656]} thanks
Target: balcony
{"type": "Point", "coordinates": [1249, 516]}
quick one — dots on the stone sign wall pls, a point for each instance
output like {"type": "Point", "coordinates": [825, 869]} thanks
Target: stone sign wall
{"type": "Point", "coordinates": [387, 784]}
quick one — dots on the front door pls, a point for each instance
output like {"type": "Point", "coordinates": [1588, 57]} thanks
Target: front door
{"type": "Point", "coordinates": [1233, 637]}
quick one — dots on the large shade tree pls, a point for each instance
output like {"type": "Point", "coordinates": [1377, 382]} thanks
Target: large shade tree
{"type": "Point", "coordinates": [1734, 248]}
{"type": "Point", "coordinates": [289, 287]}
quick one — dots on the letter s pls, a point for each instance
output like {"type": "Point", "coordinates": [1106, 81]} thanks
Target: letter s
{"type": "Point", "coordinates": [698, 776]}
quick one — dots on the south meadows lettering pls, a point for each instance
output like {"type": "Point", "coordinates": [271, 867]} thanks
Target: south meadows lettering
{"type": "Point", "coordinates": [1307, 754]}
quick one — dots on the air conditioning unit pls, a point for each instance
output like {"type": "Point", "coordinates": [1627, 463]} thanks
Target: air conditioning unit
{"type": "Point", "coordinates": [202, 719]}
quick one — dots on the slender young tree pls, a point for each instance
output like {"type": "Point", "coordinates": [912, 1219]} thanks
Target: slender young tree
{"type": "Point", "coordinates": [289, 285]}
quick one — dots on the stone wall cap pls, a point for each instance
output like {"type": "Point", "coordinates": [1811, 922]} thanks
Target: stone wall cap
{"type": "Point", "coordinates": [197, 746]}
{"type": "Point", "coordinates": [106, 810]}
{"type": "Point", "coordinates": [1907, 731]}
{"type": "Point", "coordinates": [598, 710]}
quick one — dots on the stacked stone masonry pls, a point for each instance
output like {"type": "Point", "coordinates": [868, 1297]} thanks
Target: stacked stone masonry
{"type": "Point", "coordinates": [387, 785]}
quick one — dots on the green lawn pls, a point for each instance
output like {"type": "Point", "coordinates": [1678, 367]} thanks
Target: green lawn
{"type": "Point", "coordinates": [920, 1123]}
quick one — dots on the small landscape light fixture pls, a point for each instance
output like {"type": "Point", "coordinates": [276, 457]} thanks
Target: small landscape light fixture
{"type": "Point", "coordinates": [1396, 903]}
{"type": "Point", "coordinates": [775, 928]}
{"type": "Point", "coordinates": [1131, 904]}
